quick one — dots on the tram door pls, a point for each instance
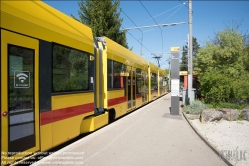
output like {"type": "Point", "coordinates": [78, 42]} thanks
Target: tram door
{"type": "Point", "coordinates": [145, 87]}
{"type": "Point", "coordinates": [19, 96]}
{"type": "Point", "coordinates": [131, 89]}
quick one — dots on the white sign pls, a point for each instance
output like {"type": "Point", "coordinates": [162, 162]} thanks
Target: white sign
{"type": "Point", "coordinates": [21, 79]}
{"type": "Point", "coordinates": [175, 87]}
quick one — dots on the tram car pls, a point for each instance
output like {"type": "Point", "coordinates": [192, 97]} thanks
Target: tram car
{"type": "Point", "coordinates": [58, 82]}
{"type": "Point", "coordinates": [162, 82]}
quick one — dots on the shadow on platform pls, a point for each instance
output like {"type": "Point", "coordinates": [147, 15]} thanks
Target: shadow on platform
{"type": "Point", "coordinates": [168, 115]}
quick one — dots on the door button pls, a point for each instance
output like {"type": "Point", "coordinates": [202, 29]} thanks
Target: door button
{"type": "Point", "coordinates": [4, 113]}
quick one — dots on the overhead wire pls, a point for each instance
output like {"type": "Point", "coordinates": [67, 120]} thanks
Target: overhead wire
{"type": "Point", "coordinates": [172, 13]}
{"type": "Point", "coordinates": [164, 62]}
{"type": "Point", "coordinates": [165, 11]}
{"type": "Point", "coordinates": [154, 21]}
{"type": "Point", "coordinates": [185, 5]}
{"type": "Point", "coordinates": [137, 40]}
{"type": "Point", "coordinates": [180, 6]}
{"type": "Point", "coordinates": [133, 23]}
{"type": "Point", "coordinates": [138, 28]}
{"type": "Point", "coordinates": [130, 19]}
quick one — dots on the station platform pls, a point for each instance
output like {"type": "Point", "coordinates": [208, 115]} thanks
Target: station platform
{"type": "Point", "coordinates": [149, 136]}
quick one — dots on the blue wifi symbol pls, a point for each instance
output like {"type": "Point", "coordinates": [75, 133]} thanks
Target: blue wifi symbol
{"type": "Point", "coordinates": [22, 77]}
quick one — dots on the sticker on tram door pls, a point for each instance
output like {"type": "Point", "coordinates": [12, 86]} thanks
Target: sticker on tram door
{"type": "Point", "coordinates": [21, 79]}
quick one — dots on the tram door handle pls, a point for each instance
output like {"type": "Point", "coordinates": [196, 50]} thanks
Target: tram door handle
{"type": "Point", "coordinates": [4, 113]}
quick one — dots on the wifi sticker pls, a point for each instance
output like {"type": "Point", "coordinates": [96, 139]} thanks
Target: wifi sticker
{"type": "Point", "coordinates": [21, 79]}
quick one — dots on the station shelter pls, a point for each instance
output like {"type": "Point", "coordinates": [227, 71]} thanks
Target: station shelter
{"type": "Point", "coordinates": [195, 85]}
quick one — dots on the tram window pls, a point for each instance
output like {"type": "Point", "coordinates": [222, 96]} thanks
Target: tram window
{"type": "Point", "coordinates": [161, 84]}
{"type": "Point", "coordinates": [110, 73]}
{"type": "Point", "coordinates": [114, 79]}
{"type": "Point", "coordinates": [117, 68]}
{"type": "Point", "coordinates": [154, 82]}
{"type": "Point", "coordinates": [70, 69]}
{"type": "Point", "coordinates": [21, 78]}
{"type": "Point", "coordinates": [139, 80]}
{"type": "Point", "coordinates": [145, 83]}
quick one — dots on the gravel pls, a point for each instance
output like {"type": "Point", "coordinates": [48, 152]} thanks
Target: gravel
{"type": "Point", "coordinates": [230, 138]}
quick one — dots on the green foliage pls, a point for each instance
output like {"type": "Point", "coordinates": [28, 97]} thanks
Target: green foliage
{"type": "Point", "coordinates": [223, 68]}
{"type": "Point", "coordinates": [225, 55]}
{"type": "Point", "coordinates": [240, 115]}
{"type": "Point", "coordinates": [70, 69]}
{"type": "Point", "coordinates": [167, 71]}
{"type": "Point", "coordinates": [195, 107]}
{"type": "Point", "coordinates": [196, 46]}
{"type": "Point", "coordinates": [184, 58]}
{"type": "Point", "coordinates": [104, 19]}
{"type": "Point", "coordinates": [215, 87]}
{"type": "Point", "coordinates": [209, 106]}
{"type": "Point", "coordinates": [235, 105]}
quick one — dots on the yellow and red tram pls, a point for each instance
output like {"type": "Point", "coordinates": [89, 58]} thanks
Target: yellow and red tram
{"type": "Point", "coordinates": [57, 81]}
{"type": "Point", "coordinates": [162, 82]}
{"type": "Point", "coordinates": [153, 81]}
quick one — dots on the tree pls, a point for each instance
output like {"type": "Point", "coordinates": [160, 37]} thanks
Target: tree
{"type": "Point", "coordinates": [246, 57]}
{"type": "Point", "coordinates": [104, 19]}
{"type": "Point", "coordinates": [225, 55]}
{"type": "Point", "coordinates": [196, 46]}
{"type": "Point", "coordinates": [223, 67]}
{"type": "Point", "coordinates": [184, 59]}
{"type": "Point", "coordinates": [167, 71]}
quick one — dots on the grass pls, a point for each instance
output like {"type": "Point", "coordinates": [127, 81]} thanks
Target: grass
{"type": "Point", "coordinates": [228, 105]}
{"type": "Point", "coordinates": [195, 107]}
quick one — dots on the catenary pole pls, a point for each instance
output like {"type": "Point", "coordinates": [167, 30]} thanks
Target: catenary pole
{"type": "Point", "coordinates": [190, 91]}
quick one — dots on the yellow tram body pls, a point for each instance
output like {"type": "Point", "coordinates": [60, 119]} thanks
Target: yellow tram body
{"type": "Point", "coordinates": [131, 63]}
{"type": "Point", "coordinates": [153, 81]}
{"type": "Point", "coordinates": [162, 82]}
{"type": "Point", "coordinates": [23, 26]}
{"type": "Point", "coordinates": [57, 81]}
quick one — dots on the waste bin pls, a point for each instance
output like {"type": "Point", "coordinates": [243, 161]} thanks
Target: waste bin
{"type": "Point", "coordinates": [186, 97]}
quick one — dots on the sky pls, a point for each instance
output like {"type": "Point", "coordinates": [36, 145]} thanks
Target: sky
{"type": "Point", "coordinates": [209, 17]}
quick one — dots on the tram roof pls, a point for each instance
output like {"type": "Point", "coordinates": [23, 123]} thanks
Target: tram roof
{"type": "Point", "coordinates": [153, 67]}
{"type": "Point", "coordinates": [119, 53]}
{"type": "Point", "coordinates": [39, 20]}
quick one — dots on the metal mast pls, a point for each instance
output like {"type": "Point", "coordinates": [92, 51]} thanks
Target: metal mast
{"type": "Point", "coordinates": [190, 91]}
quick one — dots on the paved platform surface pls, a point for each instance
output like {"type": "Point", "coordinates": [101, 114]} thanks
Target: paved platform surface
{"type": "Point", "coordinates": [149, 136]}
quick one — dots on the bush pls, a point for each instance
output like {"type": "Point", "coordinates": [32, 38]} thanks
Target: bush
{"type": "Point", "coordinates": [195, 107]}
{"type": "Point", "coordinates": [234, 105]}
{"type": "Point", "coordinates": [240, 115]}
